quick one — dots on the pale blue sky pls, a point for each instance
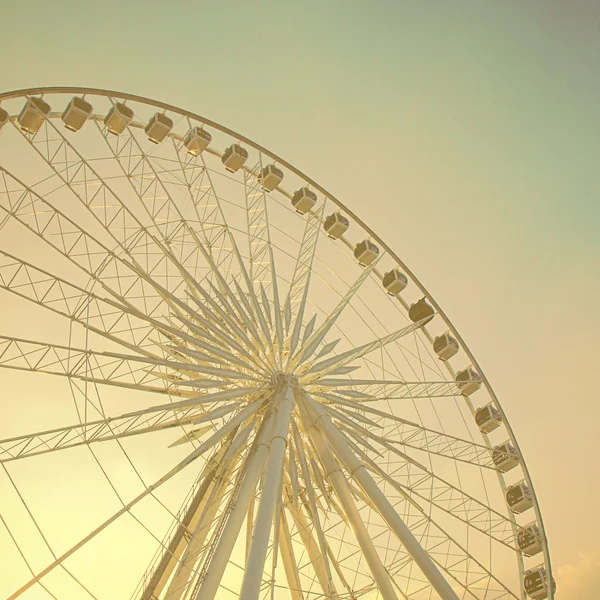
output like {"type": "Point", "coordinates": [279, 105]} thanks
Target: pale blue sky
{"type": "Point", "coordinates": [465, 132]}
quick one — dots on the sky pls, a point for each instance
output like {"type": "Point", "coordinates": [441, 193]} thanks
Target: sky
{"type": "Point", "coordinates": [464, 132]}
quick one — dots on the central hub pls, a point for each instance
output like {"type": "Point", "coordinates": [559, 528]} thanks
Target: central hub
{"type": "Point", "coordinates": [281, 379]}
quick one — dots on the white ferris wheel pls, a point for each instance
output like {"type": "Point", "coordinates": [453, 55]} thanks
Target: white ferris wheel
{"type": "Point", "coordinates": [251, 395]}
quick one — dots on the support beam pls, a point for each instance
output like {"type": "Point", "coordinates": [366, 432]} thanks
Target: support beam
{"type": "Point", "coordinates": [328, 435]}
{"type": "Point", "coordinates": [178, 543]}
{"type": "Point", "coordinates": [239, 509]}
{"type": "Point", "coordinates": [271, 489]}
{"type": "Point", "coordinates": [342, 490]}
{"type": "Point", "coordinates": [288, 557]}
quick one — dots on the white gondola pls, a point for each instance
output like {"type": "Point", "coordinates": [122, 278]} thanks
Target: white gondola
{"type": "Point", "coordinates": [197, 140]}
{"type": "Point", "coordinates": [445, 346]}
{"type": "Point", "coordinates": [529, 539]}
{"type": "Point", "coordinates": [118, 117]}
{"type": "Point", "coordinates": [76, 114]}
{"type": "Point", "coordinates": [519, 497]}
{"type": "Point", "coordinates": [303, 200]}
{"type": "Point", "coordinates": [488, 418]}
{"type": "Point", "coordinates": [271, 177]}
{"type": "Point", "coordinates": [158, 127]}
{"type": "Point", "coordinates": [366, 252]}
{"type": "Point", "coordinates": [469, 381]}
{"type": "Point", "coordinates": [421, 311]}
{"type": "Point", "coordinates": [505, 457]}
{"type": "Point", "coordinates": [32, 115]}
{"type": "Point", "coordinates": [336, 225]}
{"type": "Point", "coordinates": [536, 584]}
{"type": "Point", "coordinates": [3, 117]}
{"type": "Point", "coordinates": [394, 282]}
{"type": "Point", "coordinates": [234, 157]}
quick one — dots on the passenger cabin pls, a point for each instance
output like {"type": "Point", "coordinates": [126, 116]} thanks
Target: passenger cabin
{"type": "Point", "coordinates": [366, 252]}
{"type": "Point", "coordinates": [529, 539]}
{"type": "Point", "coordinates": [3, 117]}
{"type": "Point", "coordinates": [505, 457]}
{"type": "Point", "coordinates": [234, 158]}
{"type": "Point", "coordinates": [196, 140]}
{"type": "Point", "coordinates": [445, 346]}
{"type": "Point", "coordinates": [78, 111]}
{"type": "Point", "coordinates": [394, 282]}
{"type": "Point", "coordinates": [536, 584]}
{"type": "Point", "coordinates": [488, 418]}
{"type": "Point", "coordinates": [32, 115]}
{"type": "Point", "coordinates": [421, 311]}
{"type": "Point", "coordinates": [336, 225]}
{"type": "Point", "coordinates": [118, 117]}
{"type": "Point", "coordinates": [519, 497]}
{"type": "Point", "coordinates": [270, 177]}
{"type": "Point", "coordinates": [469, 381]}
{"type": "Point", "coordinates": [158, 127]}
{"type": "Point", "coordinates": [303, 200]}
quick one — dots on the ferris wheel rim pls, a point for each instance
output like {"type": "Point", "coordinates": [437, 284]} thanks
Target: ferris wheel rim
{"type": "Point", "coordinates": [168, 107]}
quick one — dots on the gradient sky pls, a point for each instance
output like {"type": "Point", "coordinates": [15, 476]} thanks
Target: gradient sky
{"type": "Point", "coordinates": [465, 133]}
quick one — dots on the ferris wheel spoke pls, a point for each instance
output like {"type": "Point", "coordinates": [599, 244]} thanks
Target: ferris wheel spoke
{"type": "Point", "coordinates": [76, 244]}
{"type": "Point", "coordinates": [148, 420]}
{"type": "Point", "coordinates": [372, 390]}
{"type": "Point", "coordinates": [60, 232]}
{"type": "Point", "coordinates": [422, 483]}
{"type": "Point", "coordinates": [93, 192]}
{"type": "Point", "coordinates": [311, 344]}
{"type": "Point", "coordinates": [153, 196]}
{"type": "Point", "coordinates": [259, 243]}
{"type": "Point", "coordinates": [324, 367]}
{"type": "Point", "coordinates": [85, 365]}
{"type": "Point", "coordinates": [213, 440]}
{"type": "Point", "coordinates": [413, 435]}
{"type": "Point", "coordinates": [262, 262]}
{"type": "Point", "coordinates": [102, 316]}
{"type": "Point", "coordinates": [295, 302]}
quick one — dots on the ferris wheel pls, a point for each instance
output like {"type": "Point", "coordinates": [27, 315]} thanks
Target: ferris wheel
{"type": "Point", "coordinates": [251, 395]}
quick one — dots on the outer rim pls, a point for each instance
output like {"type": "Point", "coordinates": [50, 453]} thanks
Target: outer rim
{"type": "Point", "coordinates": [169, 107]}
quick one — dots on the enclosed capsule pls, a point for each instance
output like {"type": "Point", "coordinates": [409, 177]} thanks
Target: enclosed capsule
{"type": "Point", "coordinates": [394, 282]}
{"type": "Point", "coordinates": [336, 225]}
{"type": "Point", "coordinates": [366, 252]}
{"type": "Point", "coordinates": [488, 418]}
{"type": "Point", "coordinates": [445, 346]}
{"type": "Point", "coordinates": [234, 157]}
{"type": "Point", "coordinates": [158, 127]}
{"type": "Point", "coordinates": [505, 457]}
{"type": "Point", "coordinates": [3, 117]}
{"type": "Point", "coordinates": [303, 200]}
{"type": "Point", "coordinates": [118, 117]}
{"type": "Point", "coordinates": [529, 539]}
{"type": "Point", "coordinates": [32, 115]}
{"type": "Point", "coordinates": [270, 177]}
{"type": "Point", "coordinates": [469, 381]}
{"type": "Point", "coordinates": [536, 584]}
{"type": "Point", "coordinates": [78, 111]}
{"type": "Point", "coordinates": [196, 140]}
{"type": "Point", "coordinates": [519, 497]}
{"type": "Point", "coordinates": [421, 311]}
